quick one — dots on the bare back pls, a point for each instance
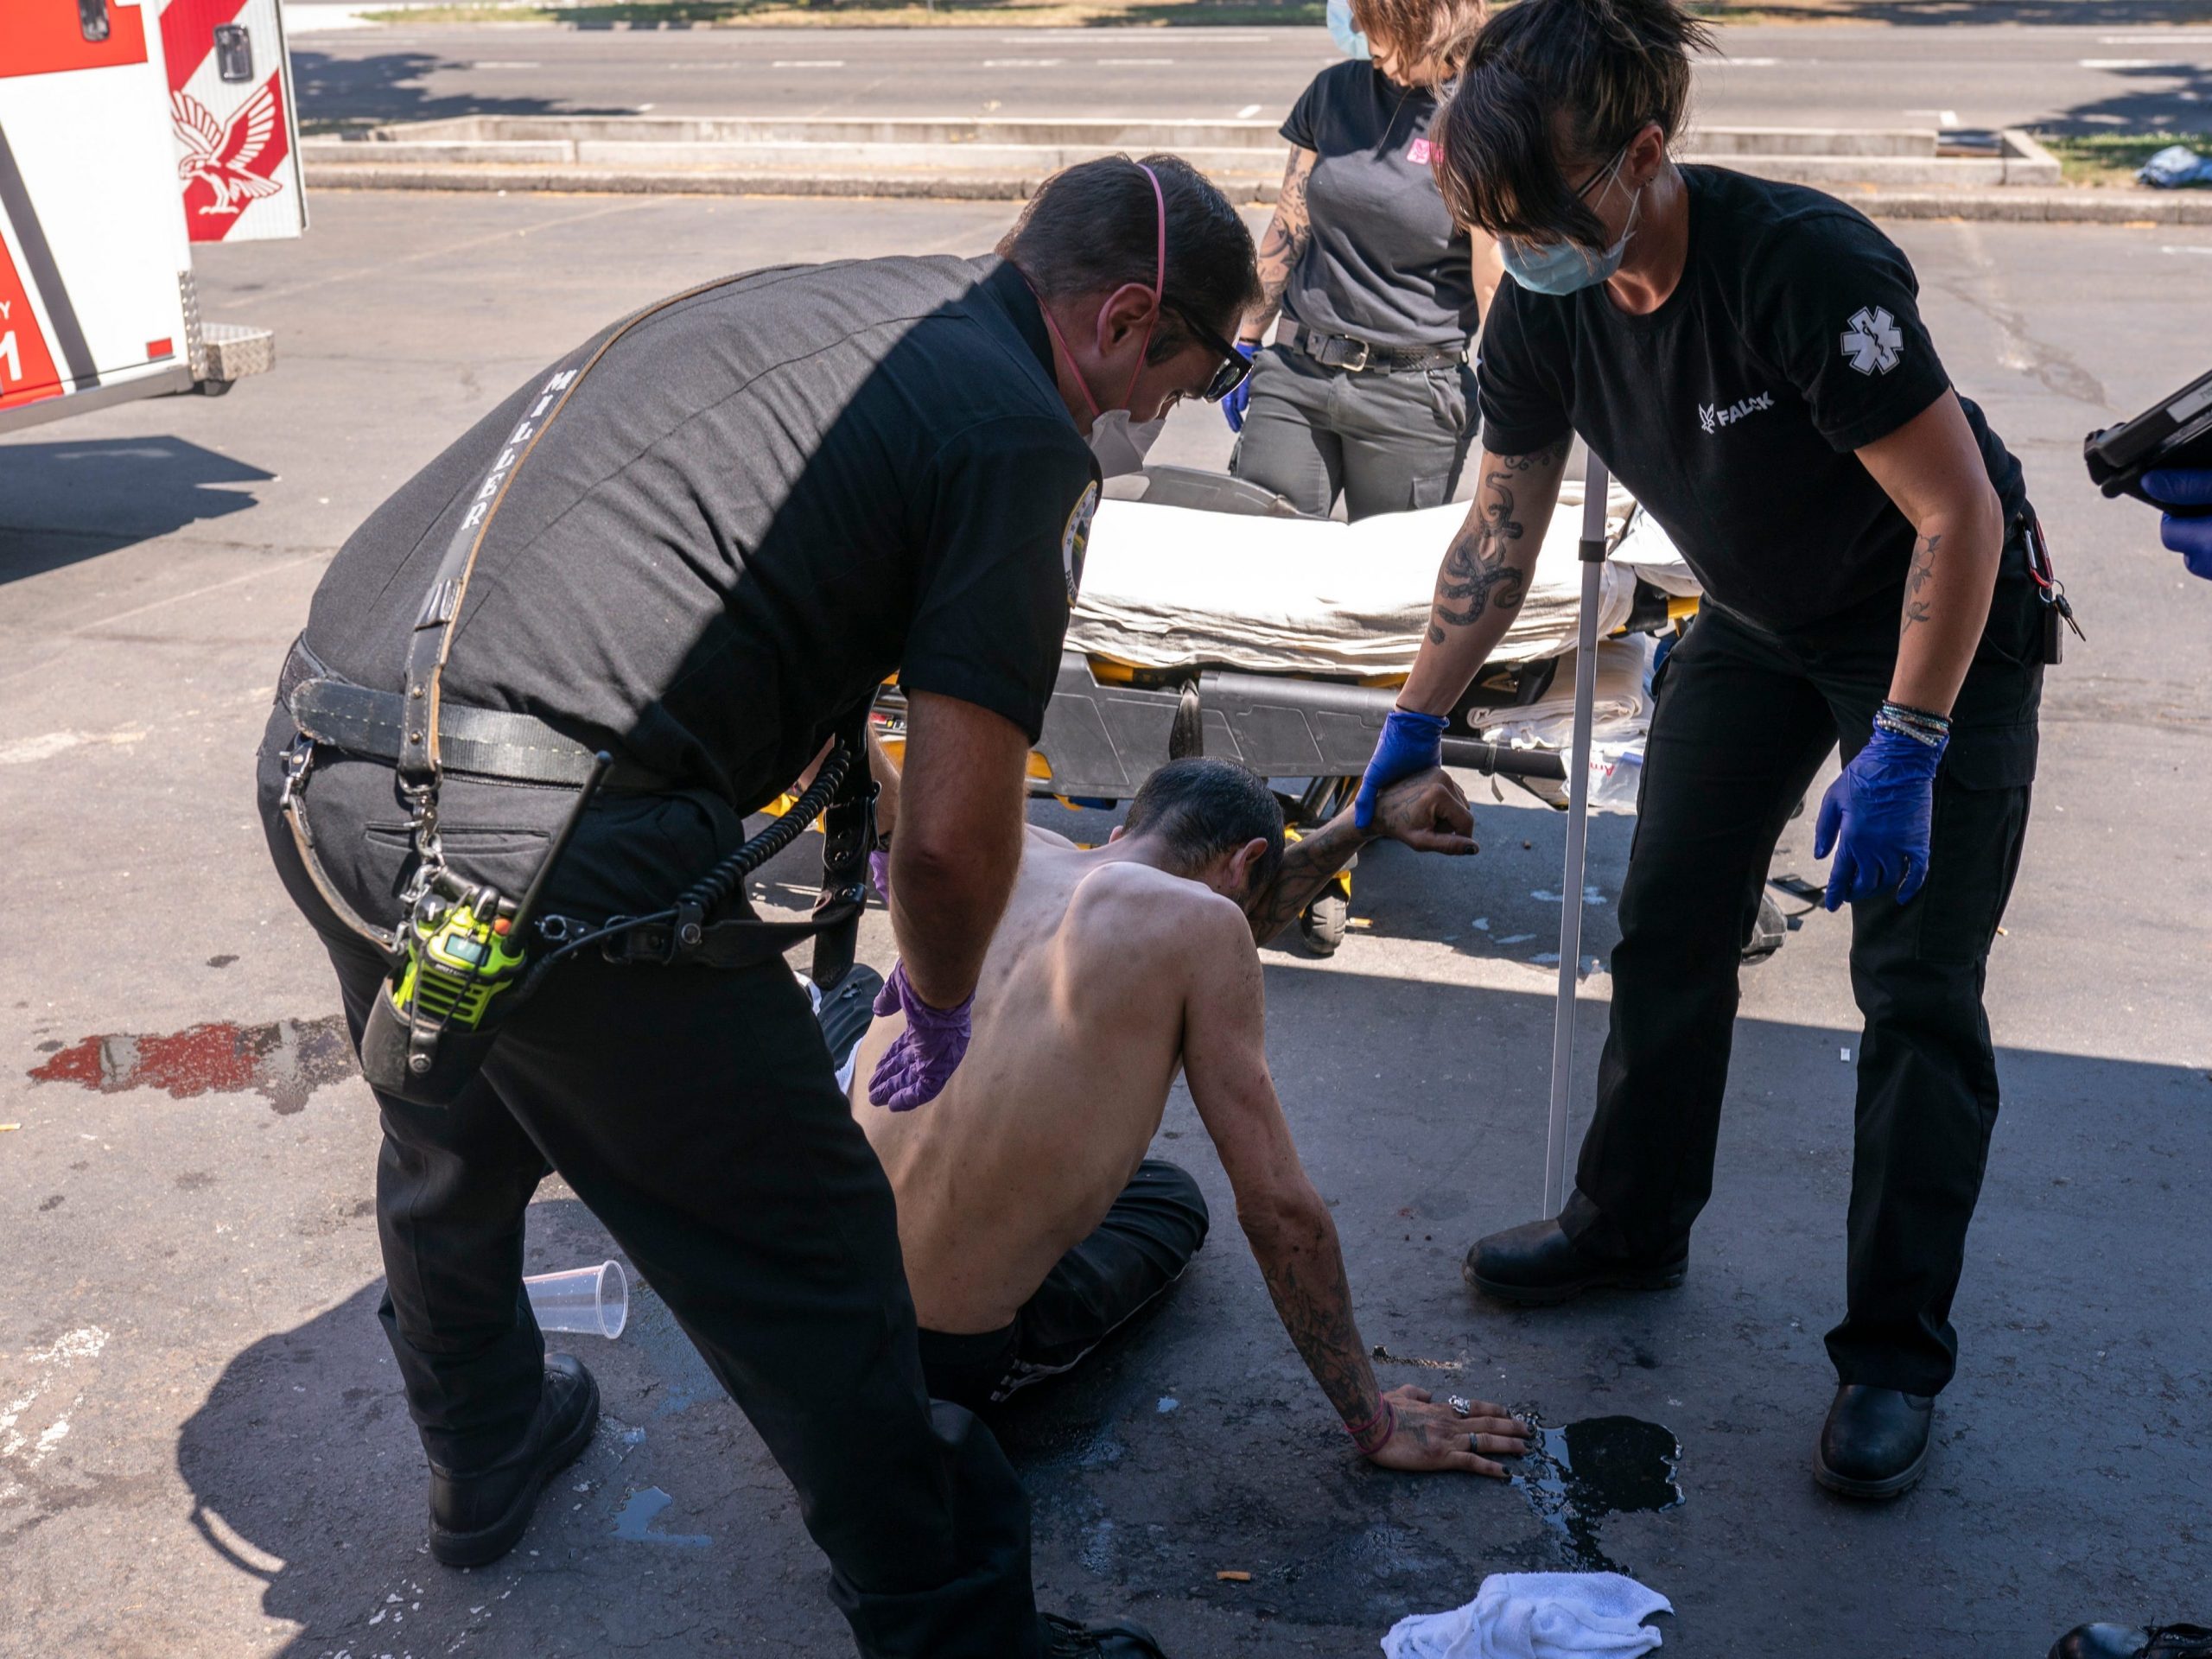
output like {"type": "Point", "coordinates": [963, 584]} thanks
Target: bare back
{"type": "Point", "coordinates": [1078, 1032]}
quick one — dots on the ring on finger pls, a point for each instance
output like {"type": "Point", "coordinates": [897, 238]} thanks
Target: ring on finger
{"type": "Point", "coordinates": [1461, 1406]}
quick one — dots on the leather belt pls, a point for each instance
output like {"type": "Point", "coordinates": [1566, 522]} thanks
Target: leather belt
{"type": "Point", "coordinates": [492, 743]}
{"type": "Point", "coordinates": [1343, 352]}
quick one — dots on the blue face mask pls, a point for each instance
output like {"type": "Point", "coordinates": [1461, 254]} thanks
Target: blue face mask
{"type": "Point", "coordinates": [1564, 267]}
{"type": "Point", "coordinates": [1349, 40]}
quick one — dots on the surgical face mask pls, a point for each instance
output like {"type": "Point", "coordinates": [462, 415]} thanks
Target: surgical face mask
{"type": "Point", "coordinates": [1127, 444]}
{"type": "Point", "coordinates": [1120, 443]}
{"type": "Point", "coordinates": [1349, 40]}
{"type": "Point", "coordinates": [1563, 267]}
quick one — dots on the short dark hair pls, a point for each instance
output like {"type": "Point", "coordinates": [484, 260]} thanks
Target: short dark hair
{"type": "Point", "coordinates": [1579, 76]}
{"type": "Point", "coordinates": [1095, 227]}
{"type": "Point", "coordinates": [1201, 808]}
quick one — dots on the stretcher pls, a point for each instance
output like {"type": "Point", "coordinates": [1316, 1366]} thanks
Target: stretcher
{"type": "Point", "coordinates": [1215, 619]}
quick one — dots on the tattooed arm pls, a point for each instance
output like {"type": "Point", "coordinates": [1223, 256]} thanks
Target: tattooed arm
{"type": "Point", "coordinates": [1485, 572]}
{"type": "Point", "coordinates": [1428, 813]}
{"type": "Point", "coordinates": [1288, 232]}
{"type": "Point", "coordinates": [1932, 469]}
{"type": "Point", "coordinates": [1288, 1225]}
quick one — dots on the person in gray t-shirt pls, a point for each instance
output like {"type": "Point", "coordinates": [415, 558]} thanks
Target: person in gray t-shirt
{"type": "Point", "coordinates": [1366, 392]}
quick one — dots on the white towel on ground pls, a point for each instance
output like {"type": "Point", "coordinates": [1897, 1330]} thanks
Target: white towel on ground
{"type": "Point", "coordinates": [1537, 1616]}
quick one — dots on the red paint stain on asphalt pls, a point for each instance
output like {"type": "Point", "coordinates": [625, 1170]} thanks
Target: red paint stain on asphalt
{"type": "Point", "coordinates": [285, 1063]}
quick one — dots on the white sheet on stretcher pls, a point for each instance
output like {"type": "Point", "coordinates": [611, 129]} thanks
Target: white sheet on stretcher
{"type": "Point", "coordinates": [1170, 586]}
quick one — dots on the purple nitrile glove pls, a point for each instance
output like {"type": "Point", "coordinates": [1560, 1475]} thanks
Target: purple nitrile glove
{"type": "Point", "coordinates": [923, 1058]}
{"type": "Point", "coordinates": [2191, 538]}
{"type": "Point", "coordinates": [1409, 743]}
{"type": "Point", "coordinates": [1234, 405]}
{"type": "Point", "coordinates": [879, 873]}
{"type": "Point", "coordinates": [1878, 818]}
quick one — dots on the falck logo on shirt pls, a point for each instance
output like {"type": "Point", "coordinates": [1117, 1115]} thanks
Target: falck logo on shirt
{"type": "Point", "coordinates": [1074, 541]}
{"type": "Point", "coordinates": [1873, 340]}
{"type": "Point", "coordinates": [1712, 418]}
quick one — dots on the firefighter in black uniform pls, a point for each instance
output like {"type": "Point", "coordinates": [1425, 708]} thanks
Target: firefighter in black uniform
{"type": "Point", "coordinates": [1749, 359]}
{"type": "Point", "coordinates": [698, 544]}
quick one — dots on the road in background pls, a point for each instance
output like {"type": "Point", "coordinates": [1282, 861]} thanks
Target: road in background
{"type": "Point", "coordinates": [1964, 76]}
{"type": "Point", "coordinates": [207, 1455]}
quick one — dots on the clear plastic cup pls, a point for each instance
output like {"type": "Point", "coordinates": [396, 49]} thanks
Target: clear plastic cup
{"type": "Point", "coordinates": [588, 1301]}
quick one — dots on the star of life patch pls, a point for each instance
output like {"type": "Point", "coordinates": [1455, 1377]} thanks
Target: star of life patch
{"type": "Point", "coordinates": [1074, 541]}
{"type": "Point", "coordinates": [1873, 341]}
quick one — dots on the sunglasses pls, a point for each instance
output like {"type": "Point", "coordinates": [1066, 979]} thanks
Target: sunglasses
{"type": "Point", "coordinates": [1234, 365]}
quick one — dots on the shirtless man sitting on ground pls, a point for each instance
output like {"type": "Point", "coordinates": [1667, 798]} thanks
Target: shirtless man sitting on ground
{"type": "Point", "coordinates": [1032, 1222]}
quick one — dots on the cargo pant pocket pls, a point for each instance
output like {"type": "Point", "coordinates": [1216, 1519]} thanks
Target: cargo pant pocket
{"type": "Point", "coordinates": [1980, 827]}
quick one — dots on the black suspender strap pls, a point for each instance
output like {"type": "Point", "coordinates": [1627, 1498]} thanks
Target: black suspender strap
{"type": "Point", "coordinates": [430, 642]}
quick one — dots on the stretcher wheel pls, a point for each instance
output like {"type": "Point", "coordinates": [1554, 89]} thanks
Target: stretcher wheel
{"type": "Point", "coordinates": [1323, 923]}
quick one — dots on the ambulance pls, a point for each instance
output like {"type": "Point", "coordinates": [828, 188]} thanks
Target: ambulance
{"type": "Point", "coordinates": [128, 134]}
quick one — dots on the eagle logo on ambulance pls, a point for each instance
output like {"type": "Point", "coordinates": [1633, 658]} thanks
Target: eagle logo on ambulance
{"type": "Point", "coordinates": [1074, 541]}
{"type": "Point", "coordinates": [227, 155]}
{"type": "Point", "coordinates": [1873, 340]}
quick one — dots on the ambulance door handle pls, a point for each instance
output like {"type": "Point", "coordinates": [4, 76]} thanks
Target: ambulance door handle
{"type": "Point", "coordinates": [233, 53]}
{"type": "Point", "coordinates": [93, 19]}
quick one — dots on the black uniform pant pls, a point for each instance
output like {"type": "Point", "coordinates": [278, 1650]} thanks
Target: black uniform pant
{"type": "Point", "coordinates": [694, 1111]}
{"type": "Point", "coordinates": [1744, 720]}
{"type": "Point", "coordinates": [1155, 1227]}
{"type": "Point", "coordinates": [1386, 441]}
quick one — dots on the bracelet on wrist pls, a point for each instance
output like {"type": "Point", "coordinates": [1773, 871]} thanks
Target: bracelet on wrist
{"type": "Point", "coordinates": [1371, 1433]}
{"type": "Point", "coordinates": [1900, 720]}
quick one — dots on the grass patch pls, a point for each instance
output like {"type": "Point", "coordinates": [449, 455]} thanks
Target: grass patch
{"type": "Point", "coordinates": [2109, 158]}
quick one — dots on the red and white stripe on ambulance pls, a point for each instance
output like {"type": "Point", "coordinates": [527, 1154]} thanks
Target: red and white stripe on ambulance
{"type": "Point", "coordinates": [230, 103]}
{"type": "Point", "coordinates": [91, 241]}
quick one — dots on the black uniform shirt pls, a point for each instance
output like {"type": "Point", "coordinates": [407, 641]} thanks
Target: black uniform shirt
{"type": "Point", "coordinates": [1731, 412]}
{"type": "Point", "coordinates": [1385, 264]}
{"type": "Point", "coordinates": [764, 497]}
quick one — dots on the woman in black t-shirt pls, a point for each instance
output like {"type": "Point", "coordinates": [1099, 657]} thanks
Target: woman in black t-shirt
{"type": "Point", "coordinates": [1749, 358]}
{"type": "Point", "coordinates": [1366, 392]}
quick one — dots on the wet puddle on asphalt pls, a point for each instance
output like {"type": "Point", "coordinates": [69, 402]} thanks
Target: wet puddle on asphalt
{"type": "Point", "coordinates": [283, 1062]}
{"type": "Point", "coordinates": [1575, 1476]}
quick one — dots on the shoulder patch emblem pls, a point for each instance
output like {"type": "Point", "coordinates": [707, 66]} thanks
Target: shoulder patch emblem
{"type": "Point", "coordinates": [1074, 541]}
{"type": "Point", "coordinates": [1873, 340]}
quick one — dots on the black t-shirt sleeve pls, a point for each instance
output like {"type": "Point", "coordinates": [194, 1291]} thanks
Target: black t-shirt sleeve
{"type": "Point", "coordinates": [1842, 322]}
{"type": "Point", "coordinates": [1302, 126]}
{"type": "Point", "coordinates": [1519, 375]}
{"type": "Point", "coordinates": [1002, 542]}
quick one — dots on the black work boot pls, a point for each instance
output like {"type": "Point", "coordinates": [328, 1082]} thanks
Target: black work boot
{"type": "Point", "coordinates": [478, 1516]}
{"type": "Point", "coordinates": [1065, 1639]}
{"type": "Point", "coordinates": [1538, 1264]}
{"type": "Point", "coordinates": [1875, 1442]}
{"type": "Point", "coordinates": [2112, 1641]}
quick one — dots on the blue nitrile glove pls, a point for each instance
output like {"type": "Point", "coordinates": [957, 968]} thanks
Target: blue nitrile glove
{"type": "Point", "coordinates": [923, 1058]}
{"type": "Point", "coordinates": [2184, 486]}
{"type": "Point", "coordinates": [1409, 743]}
{"type": "Point", "coordinates": [1234, 405]}
{"type": "Point", "coordinates": [1877, 817]}
{"type": "Point", "coordinates": [879, 871]}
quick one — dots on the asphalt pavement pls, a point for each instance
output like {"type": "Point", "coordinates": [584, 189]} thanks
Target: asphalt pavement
{"type": "Point", "coordinates": [204, 1450]}
{"type": "Point", "coordinates": [1962, 76]}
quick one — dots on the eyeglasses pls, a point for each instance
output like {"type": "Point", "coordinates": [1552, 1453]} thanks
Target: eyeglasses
{"type": "Point", "coordinates": [1606, 171]}
{"type": "Point", "coordinates": [1234, 365]}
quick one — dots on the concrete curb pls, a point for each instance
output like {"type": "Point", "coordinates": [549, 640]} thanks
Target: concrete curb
{"type": "Point", "coordinates": [674, 181]}
{"type": "Point", "coordinates": [2011, 203]}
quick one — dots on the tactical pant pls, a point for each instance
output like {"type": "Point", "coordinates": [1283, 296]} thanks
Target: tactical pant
{"type": "Point", "coordinates": [1744, 720]}
{"type": "Point", "coordinates": [1386, 441]}
{"type": "Point", "coordinates": [694, 1111]}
